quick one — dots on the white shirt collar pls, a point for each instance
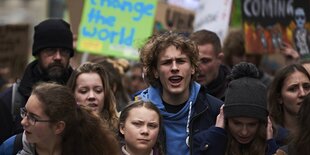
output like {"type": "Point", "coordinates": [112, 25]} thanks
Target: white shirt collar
{"type": "Point", "coordinates": [127, 153]}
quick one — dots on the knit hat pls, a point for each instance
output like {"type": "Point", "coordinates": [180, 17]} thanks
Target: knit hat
{"type": "Point", "coordinates": [52, 33]}
{"type": "Point", "coordinates": [246, 95]}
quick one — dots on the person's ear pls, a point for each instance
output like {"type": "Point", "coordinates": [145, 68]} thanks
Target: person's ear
{"type": "Point", "coordinates": [59, 127]}
{"type": "Point", "coordinates": [156, 74]}
{"type": "Point", "coordinates": [193, 70]}
{"type": "Point", "coordinates": [220, 56]}
{"type": "Point", "coordinates": [121, 128]}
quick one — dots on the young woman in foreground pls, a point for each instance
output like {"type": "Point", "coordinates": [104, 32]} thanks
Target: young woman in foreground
{"type": "Point", "coordinates": [54, 124]}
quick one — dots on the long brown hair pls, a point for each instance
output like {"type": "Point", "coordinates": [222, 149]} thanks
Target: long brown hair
{"type": "Point", "coordinates": [108, 113]}
{"type": "Point", "coordinates": [84, 132]}
{"type": "Point", "coordinates": [256, 147]}
{"type": "Point", "coordinates": [116, 81]}
{"type": "Point", "coordinates": [233, 45]}
{"type": "Point", "coordinates": [274, 91]}
{"type": "Point", "coordinates": [302, 138]}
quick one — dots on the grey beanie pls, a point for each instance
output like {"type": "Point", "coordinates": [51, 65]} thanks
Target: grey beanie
{"type": "Point", "coordinates": [246, 95]}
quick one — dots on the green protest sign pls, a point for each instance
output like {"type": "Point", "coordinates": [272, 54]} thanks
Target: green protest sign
{"type": "Point", "coordinates": [115, 27]}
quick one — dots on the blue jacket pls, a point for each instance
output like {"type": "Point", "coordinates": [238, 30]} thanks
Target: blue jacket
{"type": "Point", "coordinates": [6, 148]}
{"type": "Point", "coordinates": [214, 141]}
{"type": "Point", "coordinates": [17, 145]}
{"type": "Point", "coordinates": [204, 111]}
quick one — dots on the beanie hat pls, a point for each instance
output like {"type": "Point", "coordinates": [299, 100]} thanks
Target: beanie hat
{"type": "Point", "coordinates": [52, 33]}
{"type": "Point", "coordinates": [246, 95]}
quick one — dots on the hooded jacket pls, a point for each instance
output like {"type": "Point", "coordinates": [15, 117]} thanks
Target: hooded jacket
{"type": "Point", "coordinates": [198, 114]}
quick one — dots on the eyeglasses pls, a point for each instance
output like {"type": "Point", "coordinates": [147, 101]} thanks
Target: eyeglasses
{"type": "Point", "coordinates": [30, 118]}
{"type": "Point", "coordinates": [52, 51]}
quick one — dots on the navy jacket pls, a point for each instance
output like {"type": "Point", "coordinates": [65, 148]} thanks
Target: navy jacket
{"type": "Point", "coordinates": [7, 147]}
{"type": "Point", "coordinates": [214, 141]}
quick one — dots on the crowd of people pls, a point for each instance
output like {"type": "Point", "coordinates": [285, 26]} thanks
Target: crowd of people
{"type": "Point", "coordinates": [188, 95]}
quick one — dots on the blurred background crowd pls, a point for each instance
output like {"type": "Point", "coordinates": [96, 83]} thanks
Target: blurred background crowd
{"type": "Point", "coordinates": [115, 44]}
{"type": "Point", "coordinates": [232, 25]}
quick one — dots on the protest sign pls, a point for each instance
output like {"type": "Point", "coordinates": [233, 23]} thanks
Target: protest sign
{"type": "Point", "coordinates": [187, 4]}
{"type": "Point", "coordinates": [214, 16]}
{"type": "Point", "coordinates": [174, 18]}
{"type": "Point", "coordinates": [14, 49]}
{"type": "Point", "coordinates": [115, 28]}
{"type": "Point", "coordinates": [270, 25]}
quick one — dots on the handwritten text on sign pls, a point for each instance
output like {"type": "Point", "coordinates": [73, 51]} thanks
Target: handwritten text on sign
{"type": "Point", "coordinates": [107, 23]}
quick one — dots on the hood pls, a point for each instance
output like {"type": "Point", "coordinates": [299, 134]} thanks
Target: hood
{"type": "Point", "coordinates": [153, 94]}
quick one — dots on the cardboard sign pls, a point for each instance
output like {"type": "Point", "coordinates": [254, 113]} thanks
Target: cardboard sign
{"type": "Point", "coordinates": [14, 48]}
{"type": "Point", "coordinates": [115, 28]}
{"type": "Point", "coordinates": [187, 4]}
{"type": "Point", "coordinates": [75, 9]}
{"type": "Point", "coordinates": [214, 16]}
{"type": "Point", "coordinates": [174, 18]}
{"type": "Point", "coordinates": [269, 25]}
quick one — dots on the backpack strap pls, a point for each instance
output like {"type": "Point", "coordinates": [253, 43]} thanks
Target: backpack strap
{"type": "Point", "coordinates": [18, 143]}
{"type": "Point", "coordinates": [17, 100]}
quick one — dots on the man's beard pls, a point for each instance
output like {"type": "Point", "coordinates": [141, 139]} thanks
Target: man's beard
{"type": "Point", "coordinates": [56, 72]}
